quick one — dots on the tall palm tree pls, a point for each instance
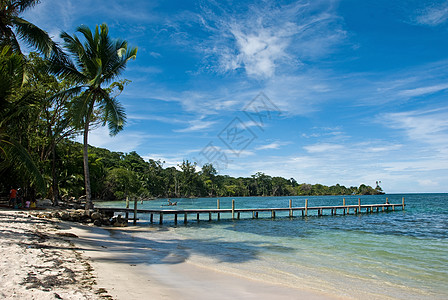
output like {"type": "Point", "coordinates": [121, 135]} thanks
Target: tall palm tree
{"type": "Point", "coordinates": [13, 27]}
{"type": "Point", "coordinates": [96, 64]}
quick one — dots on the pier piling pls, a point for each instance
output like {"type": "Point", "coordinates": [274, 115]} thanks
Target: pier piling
{"type": "Point", "coordinates": [236, 212]}
{"type": "Point", "coordinates": [135, 211]}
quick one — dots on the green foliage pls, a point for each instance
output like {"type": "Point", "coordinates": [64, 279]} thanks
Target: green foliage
{"type": "Point", "coordinates": [14, 28]}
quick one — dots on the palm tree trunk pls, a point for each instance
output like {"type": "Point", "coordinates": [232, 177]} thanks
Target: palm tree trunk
{"type": "Point", "coordinates": [53, 174]}
{"type": "Point", "coordinates": [89, 203]}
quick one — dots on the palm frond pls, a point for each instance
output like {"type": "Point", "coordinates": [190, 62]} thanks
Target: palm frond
{"type": "Point", "coordinates": [9, 39]}
{"type": "Point", "coordinates": [34, 36]}
{"type": "Point", "coordinates": [114, 113]}
{"type": "Point", "coordinates": [80, 107]}
{"type": "Point", "coordinates": [15, 155]}
{"type": "Point", "coordinates": [23, 5]}
{"type": "Point", "coordinates": [120, 65]}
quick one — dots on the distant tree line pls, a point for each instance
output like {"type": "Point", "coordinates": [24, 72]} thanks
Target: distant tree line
{"type": "Point", "coordinates": [117, 175]}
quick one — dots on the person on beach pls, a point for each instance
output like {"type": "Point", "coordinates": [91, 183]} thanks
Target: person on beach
{"type": "Point", "coordinates": [12, 197]}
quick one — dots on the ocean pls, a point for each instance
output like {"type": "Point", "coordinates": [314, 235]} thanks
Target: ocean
{"type": "Point", "coordinates": [401, 254]}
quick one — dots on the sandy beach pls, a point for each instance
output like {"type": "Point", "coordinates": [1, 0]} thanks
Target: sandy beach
{"type": "Point", "coordinates": [51, 259]}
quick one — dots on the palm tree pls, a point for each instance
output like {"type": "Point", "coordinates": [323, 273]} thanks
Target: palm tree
{"type": "Point", "coordinates": [96, 62]}
{"type": "Point", "coordinates": [12, 27]}
{"type": "Point", "coordinates": [12, 153]}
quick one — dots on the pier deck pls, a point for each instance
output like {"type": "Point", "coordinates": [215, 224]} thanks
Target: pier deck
{"type": "Point", "coordinates": [236, 212]}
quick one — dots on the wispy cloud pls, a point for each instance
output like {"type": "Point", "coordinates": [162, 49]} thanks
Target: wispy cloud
{"type": "Point", "coordinates": [425, 126]}
{"type": "Point", "coordinates": [322, 147]}
{"type": "Point", "coordinates": [265, 36]}
{"type": "Point", "coordinates": [197, 125]}
{"type": "Point", "coordinates": [274, 145]}
{"type": "Point", "coordinates": [433, 15]}
{"type": "Point", "coordinates": [125, 141]}
{"type": "Point", "coordinates": [423, 90]}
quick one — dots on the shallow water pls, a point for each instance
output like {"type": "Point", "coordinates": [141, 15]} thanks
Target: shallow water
{"type": "Point", "coordinates": [400, 254]}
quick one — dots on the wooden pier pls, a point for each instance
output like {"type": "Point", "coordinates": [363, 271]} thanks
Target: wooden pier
{"type": "Point", "coordinates": [236, 213]}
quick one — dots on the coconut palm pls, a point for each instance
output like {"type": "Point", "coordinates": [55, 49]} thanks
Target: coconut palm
{"type": "Point", "coordinates": [12, 153]}
{"type": "Point", "coordinates": [96, 64]}
{"type": "Point", "coordinates": [14, 28]}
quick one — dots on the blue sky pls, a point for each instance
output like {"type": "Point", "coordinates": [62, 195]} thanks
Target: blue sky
{"type": "Point", "coordinates": [327, 92]}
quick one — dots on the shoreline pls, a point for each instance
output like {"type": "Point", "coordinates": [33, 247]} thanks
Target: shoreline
{"type": "Point", "coordinates": [104, 264]}
{"type": "Point", "coordinates": [132, 268]}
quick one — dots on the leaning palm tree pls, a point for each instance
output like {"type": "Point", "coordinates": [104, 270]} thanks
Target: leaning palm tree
{"type": "Point", "coordinates": [14, 28]}
{"type": "Point", "coordinates": [96, 64]}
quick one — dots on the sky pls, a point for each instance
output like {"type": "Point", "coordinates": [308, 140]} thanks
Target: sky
{"type": "Point", "coordinates": [349, 92]}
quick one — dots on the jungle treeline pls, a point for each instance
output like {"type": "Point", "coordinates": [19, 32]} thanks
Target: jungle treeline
{"type": "Point", "coordinates": [117, 175]}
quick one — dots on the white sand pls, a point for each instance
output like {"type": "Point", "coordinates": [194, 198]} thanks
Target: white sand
{"type": "Point", "coordinates": [36, 263]}
{"type": "Point", "coordinates": [50, 266]}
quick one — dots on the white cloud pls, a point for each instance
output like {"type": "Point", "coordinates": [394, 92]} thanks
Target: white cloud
{"type": "Point", "coordinates": [428, 183]}
{"type": "Point", "coordinates": [433, 15]}
{"type": "Point", "coordinates": [125, 141]}
{"type": "Point", "coordinates": [425, 126]}
{"type": "Point", "coordinates": [274, 145]}
{"type": "Point", "coordinates": [423, 90]}
{"type": "Point", "coordinates": [269, 35]}
{"type": "Point", "coordinates": [322, 147]}
{"type": "Point", "coordinates": [196, 125]}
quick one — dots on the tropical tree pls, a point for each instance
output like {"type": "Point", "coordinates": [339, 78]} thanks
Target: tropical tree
{"type": "Point", "coordinates": [14, 106]}
{"type": "Point", "coordinates": [14, 28]}
{"type": "Point", "coordinates": [96, 64]}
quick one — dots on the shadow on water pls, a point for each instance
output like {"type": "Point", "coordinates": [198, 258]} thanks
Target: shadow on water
{"type": "Point", "coordinates": [148, 246]}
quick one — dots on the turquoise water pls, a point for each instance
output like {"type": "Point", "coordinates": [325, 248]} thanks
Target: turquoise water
{"type": "Point", "coordinates": [390, 255]}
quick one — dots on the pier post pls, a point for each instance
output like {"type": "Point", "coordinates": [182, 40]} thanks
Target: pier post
{"type": "Point", "coordinates": [273, 214]}
{"type": "Point", "coordinates": [175, 219]}
{"type": "Point", "coordinates": [359, 205]}
{"type": "Point", "coordinates": [219, 215]}
{"type": "Point", "coordinates": [197, 217]}
{"type": "Point", "coordinates": [135, 211]}
{"type": "Point", "coordinates": [209, 216]}
{"type": "Point", "coordinates": [185, 218]}
{"type": "Point", "coordinates": [161, 219]}
{"type": "Point", "coordinates": [403, 202]}
{"type": "Point", "coordinates": [290, 208]}
{"type": "Point", "coordinates": [256, 214]}
{"type": "Point", "coordinates": [151, 218]}
{"type": "Point", "coordinates": [233, 209]}
{"type": "Point", "coordinates": [343, 204]}
{"type": "Point", "coordinates": [127, 206]}
{"type": "Point", "coordinates": [306, 207]}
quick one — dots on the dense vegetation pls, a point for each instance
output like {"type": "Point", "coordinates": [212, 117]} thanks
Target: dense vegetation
{"type": "Point", "coordinates": [49, 97]}
{"type": "Point", "coordinates": [116, 175]}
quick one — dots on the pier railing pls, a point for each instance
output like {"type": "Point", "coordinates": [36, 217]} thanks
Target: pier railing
{"type": "Point", "coordinates": [236, 212]}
